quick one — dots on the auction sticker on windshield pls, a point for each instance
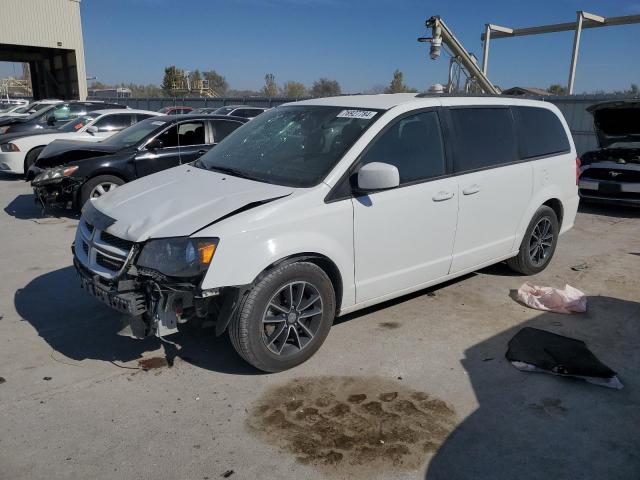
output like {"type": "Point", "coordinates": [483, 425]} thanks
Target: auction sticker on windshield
{"type": "Point", "coordinates": [363, 114]}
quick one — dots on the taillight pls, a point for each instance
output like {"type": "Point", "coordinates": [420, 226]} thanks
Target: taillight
{"type": "Point", "coordinates": [578, 163]}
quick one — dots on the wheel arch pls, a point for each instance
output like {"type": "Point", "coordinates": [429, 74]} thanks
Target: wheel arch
{"type": "Point", "coordinates": [556, 205]}
{"type": "Point", "coordinates": [26, 156]}
{"type": "Point", "coordinates": [327, 265]}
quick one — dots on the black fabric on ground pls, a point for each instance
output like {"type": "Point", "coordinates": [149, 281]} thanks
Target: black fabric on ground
{"type": "Point", "coordinates": [556, 353]}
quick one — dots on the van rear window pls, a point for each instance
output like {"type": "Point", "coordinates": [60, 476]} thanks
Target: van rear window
{"type": "Point", "coordinates": [484, 137]}
{"type": "Point", "coordinates": [540, 132]}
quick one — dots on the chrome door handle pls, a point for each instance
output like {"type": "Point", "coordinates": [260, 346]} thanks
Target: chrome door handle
{"type": "Point", "coordinates": [470, 190]}
{"type": "Point", "coordinates": [442, 196]}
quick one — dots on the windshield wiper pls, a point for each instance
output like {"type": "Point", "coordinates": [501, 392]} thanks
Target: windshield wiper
{"type": "Point", "coordinates": [233, 171]}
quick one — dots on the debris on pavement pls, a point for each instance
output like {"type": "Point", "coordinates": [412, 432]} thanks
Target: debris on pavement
{"type": "Point", "coordinates": [569, 300]}
{"type": "Point", "coordinates": [580, 267]}
{"type": "Point", "coordinates": [228, 473]}
{"type": "Point", "coordinates": [535, 350]}
{"type": "Point", "coordinates": [2, 380]}
{"type": "Point", "coordinates": [46, 378]}
{"type": "Point", "coordinates": [152, 362]}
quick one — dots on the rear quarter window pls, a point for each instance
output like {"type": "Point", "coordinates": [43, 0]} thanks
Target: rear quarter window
{"type": "Point", "coordinates": [540, 132]}
{"type": "Point", "coordinates": [483, 137]}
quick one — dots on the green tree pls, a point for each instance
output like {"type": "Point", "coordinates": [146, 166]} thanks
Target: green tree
{"type": "Point", "coordinates": [270, 88]}
{"type": "Point", "coordinates": [397, 84]}
{"type": "Point", "coordinates": [294, 90]}
{"type": "Point", "coordinates": [325, 87]}
{"type": "Point", "coordinates": [170, 80]}
{"type": "Point", "coordinates": [557, 89]}
{"type": "Point", "coordinates": [217, 82]}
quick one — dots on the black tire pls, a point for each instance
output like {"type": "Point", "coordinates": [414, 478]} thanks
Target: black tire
{"type": "Point", "coordinates": [526, 262]}
{"type": "Point", "coordinates": [248, 333]}
{"type": "Point", "coordinates": [86, 191]}
{"type": "Point", "coordinates": [31, 158]}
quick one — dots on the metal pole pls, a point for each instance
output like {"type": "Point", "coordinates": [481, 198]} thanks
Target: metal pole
{"type": "Point", "coordinates": [485, 50]}
{"type": "Point", "coordinates": [574, 55]}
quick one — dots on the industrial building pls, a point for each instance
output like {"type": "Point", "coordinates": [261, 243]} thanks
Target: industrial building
{"type": "Point", "coordinates": [46, 34]}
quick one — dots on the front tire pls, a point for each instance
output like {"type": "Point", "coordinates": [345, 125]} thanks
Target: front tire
{"type": "Point", "coordinates": [97, 186]}
{"type": "Point", "coordinates": [285, 317]}
{"type": "Point", "coordinates": [538, 244]}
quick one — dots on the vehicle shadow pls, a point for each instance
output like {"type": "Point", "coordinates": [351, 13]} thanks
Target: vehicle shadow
{"type": "Point", "coordinates": [532, 426]}
{"type": "Point", "coordinates": [616, 211]}
{"type": "Point", "coordinates": [80, 327]}
{"type": "Point", "coordinates": [24, 207]}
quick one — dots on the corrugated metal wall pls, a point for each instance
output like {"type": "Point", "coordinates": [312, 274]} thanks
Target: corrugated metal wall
{"type": "Point", "coordinates": [45, 23]}
{"type": "Point", "coordinates": [572, 106]}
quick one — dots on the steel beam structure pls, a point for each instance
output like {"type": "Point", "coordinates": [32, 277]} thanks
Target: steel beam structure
{"type": "Point", "coordinates": [583, 20]}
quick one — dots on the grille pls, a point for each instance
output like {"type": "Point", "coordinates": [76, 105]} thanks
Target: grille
{"type": "Point", "coordinates": [100, 252]}
{"type": "Point", "coordinates": [115, 241]}
{"type": "Point", "coordinates": [108, 263]}
{"type": "Point", "coordinates": [618, 176]}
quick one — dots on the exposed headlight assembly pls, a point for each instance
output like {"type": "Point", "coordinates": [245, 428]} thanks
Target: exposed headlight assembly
{"type": "Point", "coordinates": [9, 147]}
{"type": "Point", "coordinates": [178, 257]}
{"type": "Point", "coordinates": [55, 174]}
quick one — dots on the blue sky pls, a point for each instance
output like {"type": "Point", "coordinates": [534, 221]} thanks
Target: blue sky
{"type": "Point", "coordinates": [357, 42]}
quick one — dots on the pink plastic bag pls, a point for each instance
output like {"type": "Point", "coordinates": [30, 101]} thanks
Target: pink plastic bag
{"type": "Point", "coordinates": [569, 300]}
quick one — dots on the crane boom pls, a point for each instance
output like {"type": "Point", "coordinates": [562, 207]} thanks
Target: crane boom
{"type": "Point", "coordinates": [442, 34]}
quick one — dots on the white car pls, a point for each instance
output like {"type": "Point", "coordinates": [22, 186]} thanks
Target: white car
{"type": "Point", "coordinates": [319, 208]}
{"type": "Point", "coordinates": [26, 110]}
{"type": "Point", "coordinates": [18, 151]}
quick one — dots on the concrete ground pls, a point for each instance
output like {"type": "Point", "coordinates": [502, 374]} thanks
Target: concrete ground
{"type": "Point", "coordinates": [415, 388]}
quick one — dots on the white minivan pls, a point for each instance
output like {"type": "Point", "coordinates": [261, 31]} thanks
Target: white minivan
{"type": "Point", "coordinates": [322, 207]}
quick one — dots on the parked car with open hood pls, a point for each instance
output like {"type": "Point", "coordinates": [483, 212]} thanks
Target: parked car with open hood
{"type": "Point", "coordinates": [51, 116]}
{"type": "Point", "coordinates": [18, 151]}
{"type": "Point", "coordinates": [326, 206]}
{"type": "Point", "coordinates": [67, 173]}
{"type": "Point", "coordinates": [611, 174]}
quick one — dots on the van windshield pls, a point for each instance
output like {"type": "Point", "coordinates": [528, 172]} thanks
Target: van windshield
{"type": "Point", "coordinates": [295, 146]}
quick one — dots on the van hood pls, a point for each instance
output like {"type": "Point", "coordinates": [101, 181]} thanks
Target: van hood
{"type": "Point", "coordinates": [616, 122]}
{"type": "Point", "coordinates": [177, 202]}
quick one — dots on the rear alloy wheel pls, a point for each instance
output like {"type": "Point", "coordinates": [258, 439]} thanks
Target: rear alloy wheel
{"type": "Point", "coordinates": [98, 186]}
{"type": "Point", "coordinates": [285, 317]}
{"type": "Point", "coordinates": [539, 243]}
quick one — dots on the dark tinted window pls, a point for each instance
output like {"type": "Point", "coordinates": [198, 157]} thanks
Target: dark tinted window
{"type": "Point", "coordinates": [222, 128]}
{"type": "Point", "coordinates": [484, 137]}
{"type": "Point", "coordinates": [414, 145]}
{"type": "Point", "coordinates": [540, 132]}
{"type": "Point", "coordinates": [183, 135]}
{"type": "Point", "coordinates": [112, 123]}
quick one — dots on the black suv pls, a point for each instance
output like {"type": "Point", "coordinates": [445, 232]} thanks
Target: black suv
{"type": "Point", "coordinates": [70, 172]}
{"type": "Point", "coordinates": [52, 116]}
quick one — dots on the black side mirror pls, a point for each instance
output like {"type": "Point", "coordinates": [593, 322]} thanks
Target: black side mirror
{"type": "Point", "coordinates": [155, 144]}
{"type": "Point", "coordinates": [51, 120]}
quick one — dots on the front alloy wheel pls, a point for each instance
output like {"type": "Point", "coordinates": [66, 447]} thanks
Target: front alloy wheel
{"type": "Point", "coordinates": [292, 318]}
{"type": "Point", "coordinates": [285, 317]}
